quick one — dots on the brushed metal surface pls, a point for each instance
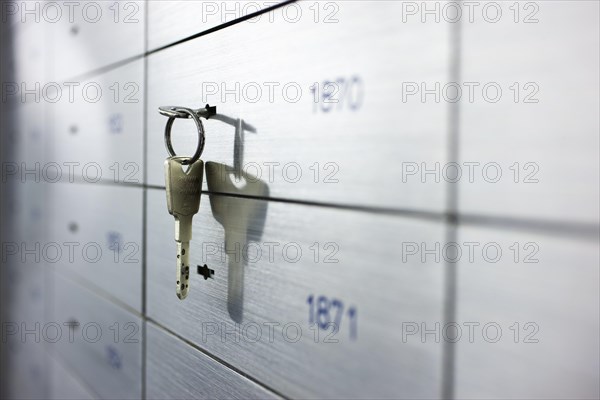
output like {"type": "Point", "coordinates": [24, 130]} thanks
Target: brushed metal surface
{"type": "Point", "coordinates": [170, 21]}
{"type": "Point", "coordinates": [25, 296]}
{"type": "Point", "coordinates": [27, 375]}
{"type": "Point", "coordinates": [559, 294]}
{"type": "Point", "coordinates": [25, 370]}
{"type": "Point", "coordinates": [31, 56]}
{"type": "Point", "coordinates": [559, 133]}
{"type": "Point", "coordinates": [92, 40]}
{"type": "Point", "coordinates": [30, 130]}
{"type": "Point", "coordinates": [23, 288]}
{"type": "Point", "coordinates": [65, 384]}
{"type": "Point", "coordinates": [359, 152]}
{"type": "Point", "coordinates": [175, 370]}
{"type": "Point", "coordinates": [30, 215]}
{"type": "Point", "coordinates": [32, 134]}
{"type": "Point", "coordinates": [12, 23]}
{"type": "Point", "coordinates": [93, 218]}
{"type": "Point", "coordinates": [274, 288]}
{"type": "Point", "coordinates": [101, 139]}
{"type": "Point", "coordinates": [109, 365]}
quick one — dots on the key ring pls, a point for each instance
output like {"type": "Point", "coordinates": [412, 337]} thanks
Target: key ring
{"type": "Point", "coordinates": [170, 111]}
{"type": "Point", "coordinates": [183, 112]}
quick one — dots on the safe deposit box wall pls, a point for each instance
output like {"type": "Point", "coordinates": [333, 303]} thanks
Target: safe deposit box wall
{"type": "Point", "coordinates": [400, 199]}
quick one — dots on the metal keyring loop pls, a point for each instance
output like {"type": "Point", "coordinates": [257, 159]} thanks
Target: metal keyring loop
{"type": "Point", "coordinates": [199, 126]}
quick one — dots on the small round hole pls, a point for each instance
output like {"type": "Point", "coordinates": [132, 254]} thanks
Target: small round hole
{"type": "Point", "coordinates": [73, 227]}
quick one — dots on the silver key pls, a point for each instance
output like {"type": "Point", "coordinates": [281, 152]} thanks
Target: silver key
{"type": "Point", "coordinates": [183, 202]}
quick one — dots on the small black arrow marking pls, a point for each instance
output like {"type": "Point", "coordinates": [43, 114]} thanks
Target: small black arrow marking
{"type": "Point", "coordinates": [205, 271]}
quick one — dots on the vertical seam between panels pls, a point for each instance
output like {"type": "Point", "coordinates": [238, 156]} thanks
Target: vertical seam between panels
{"type": "Point", "coordinates": [144, 196]}
{"type": "Point", "coordinates": [450, 268]}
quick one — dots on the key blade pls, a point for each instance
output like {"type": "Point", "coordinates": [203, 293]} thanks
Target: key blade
{"type": "Point", "coordinates": [183, 269]}
{"type": "Point", "coordinates": [183, 189]}
{"type": "Point", "coordinates": [183, 228]}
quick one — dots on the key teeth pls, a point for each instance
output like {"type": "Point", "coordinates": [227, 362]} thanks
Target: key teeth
{"type": "Point", "coordinates": [182, 293]}
{"type": "Point", "coordinates": [205, 272]}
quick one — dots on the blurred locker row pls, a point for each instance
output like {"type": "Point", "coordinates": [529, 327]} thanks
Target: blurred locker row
{"type": "Point", "coordinates": [400, 200]}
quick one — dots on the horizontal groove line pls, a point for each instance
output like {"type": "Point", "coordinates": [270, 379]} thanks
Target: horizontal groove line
{"type": "Point", "coordinates": [104, 69]}
{"type": "Point", "coordinates": [222, 26]}
{"type": "Point", "coordinates": [92, 288]}
{"type": "Point", "coordinates": [214, 357]}
{"type": "Point", "coordinates": [88, 285]}
{"type": "Point", "coordinates": [561, 228]}
{"type": "Point", "coordinates": [429, 215]}
{"type": "Point", "coordinates": [579, 229]}
{"type": "Point", "coordinates": [74, 372]}
{"type": "Point", "coordinates": [120, 63]}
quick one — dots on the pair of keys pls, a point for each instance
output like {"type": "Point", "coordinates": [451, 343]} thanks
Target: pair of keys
{"type": "Point", "coordinates": [184, 188]}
